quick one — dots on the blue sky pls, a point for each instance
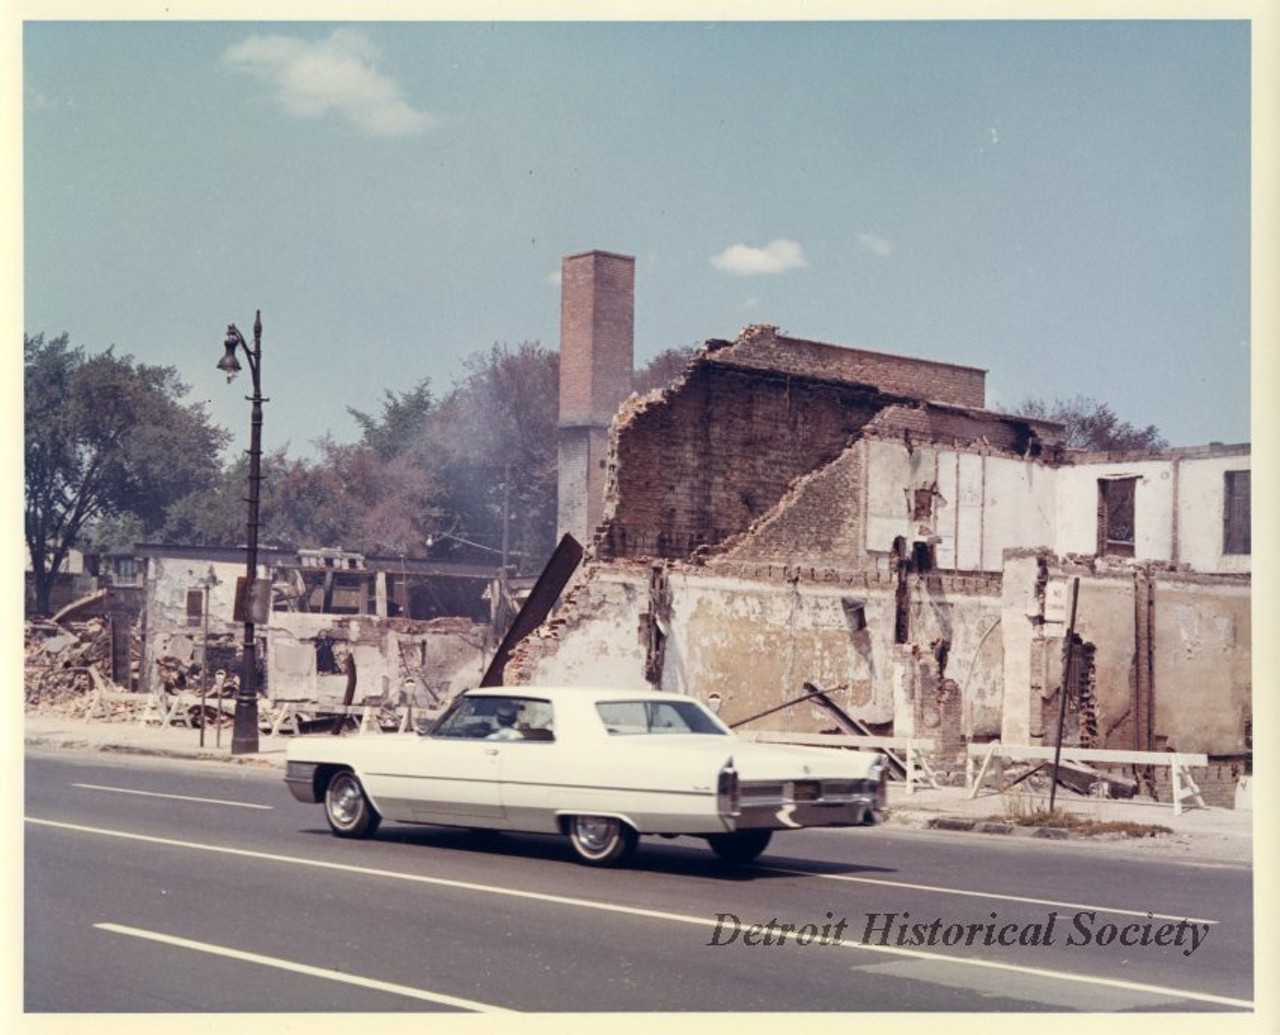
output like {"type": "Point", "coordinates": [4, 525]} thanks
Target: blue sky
{"type": "Point", "coordinates": [1065, 204]}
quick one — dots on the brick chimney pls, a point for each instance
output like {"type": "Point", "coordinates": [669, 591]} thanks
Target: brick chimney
{"type": "Point", "coordinates": [597, 350]}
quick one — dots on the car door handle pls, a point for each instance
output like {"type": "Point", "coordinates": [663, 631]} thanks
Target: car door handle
{"type": "Point", "coordinates": [490, 751]}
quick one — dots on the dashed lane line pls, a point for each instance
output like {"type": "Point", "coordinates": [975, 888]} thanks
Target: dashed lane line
{"type": "Point", "coordinates": [609, 907]}
{"type": "Point", "coordinates": [935, 889]}
{"type": "Point", "coordinates": [172, 797]}
{"type": "Point", "coordinates": [303, 968]}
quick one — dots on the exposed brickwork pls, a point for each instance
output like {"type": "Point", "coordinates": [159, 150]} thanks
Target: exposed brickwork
{"type": "Point", "coordinates": [708, 459]}
{"type": "Point", "coordinates": [821, 521]}
{"type": "Point", "coordinates": [1217, 782]}
{"type": "Point", "coordinates": [700, 465]}
{"type": "Point", "coordinates": [940, 424]}
{"type": "Point", "coordinates": [597, 328]}
{"type": "Point", "coordinates": [597, 323]}
{"type": "Point", "coordinates": [764, 349]}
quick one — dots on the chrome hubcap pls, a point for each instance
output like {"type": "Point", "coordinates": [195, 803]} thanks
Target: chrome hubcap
{"type": "Point", "coordinates": [344, 802]}
{"type": "Point", "coordinates": [595, 832]}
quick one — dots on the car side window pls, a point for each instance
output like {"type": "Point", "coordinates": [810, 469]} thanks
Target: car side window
{"type": "Point", "coordinates": [629, 718]}
{"type": "Point", "coordinates": [498, 718]}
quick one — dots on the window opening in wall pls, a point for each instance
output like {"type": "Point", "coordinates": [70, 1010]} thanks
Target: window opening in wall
{"type": "Point", "coordinates": [923, 508]}
{"type": "Point", "coordinates": [1236, 512]}
{"type": "Point", "coordinates": [195, 606]}
{"type": "Point", "coordinates": [1116, 516]}
{"type": "Point", "coordinates": [922, 556]}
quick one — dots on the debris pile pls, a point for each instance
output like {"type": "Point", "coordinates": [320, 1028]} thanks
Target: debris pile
{"type": "Point", "coordinates": [65, 662]}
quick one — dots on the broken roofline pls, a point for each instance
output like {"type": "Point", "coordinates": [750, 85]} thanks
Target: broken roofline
{"type": "Point", "coordinates": [1049, 432]}
{"type": "Point", "coordinates": [288, 557]}
{"type": "Point", "coordinates": [755, 331]}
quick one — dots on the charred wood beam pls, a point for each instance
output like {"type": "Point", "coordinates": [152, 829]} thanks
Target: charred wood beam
{"type": "Point", "coordinates": [546, 591]}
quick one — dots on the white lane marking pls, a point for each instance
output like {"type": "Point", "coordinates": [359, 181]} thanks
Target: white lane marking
{"type": "Point", "coordinates": [303, 968]}
{"type": "Point", "coordinates": [655, 914]}
{"type": "Point", "coordinates": [987, 894]}
{"type": "Point", "coordinates": [175, 797]}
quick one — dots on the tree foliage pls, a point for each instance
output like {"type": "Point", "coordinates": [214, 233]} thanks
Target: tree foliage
{"type": "Point", "coordinates": [103, 437]}
{"type": "Point", "coordinates": [496, 436]}
{"type": "Point", "coordinates": [667, 367]}
{"type": "Point", "coordinates": [114, 456]}
{"type": "Point", "coordinates": [402, 424]}
{"type": "Point", "coordinates": [1093, 426]}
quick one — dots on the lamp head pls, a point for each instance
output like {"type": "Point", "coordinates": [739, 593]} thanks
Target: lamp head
{"type": "Point", "coordinates": [228, 364]}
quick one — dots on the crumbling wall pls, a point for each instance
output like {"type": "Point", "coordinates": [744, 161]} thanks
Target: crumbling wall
{"type": "Point", "coordinates": [1165, 656]}
{"type": "Point", "coordinates": [394, 657]}
{"type": "Point", "coordinates": [750, 636]}
{"type": "Point", "coordinates": [701, 462]}
{"type": "Point", "coordinates": [595, 638]}
{"type": "Point", "coordinates": [171, 633]}
{"type": "Point", "coordinates": [819, 522]}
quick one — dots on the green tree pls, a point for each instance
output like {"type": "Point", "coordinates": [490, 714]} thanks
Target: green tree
{"type": "Point", "coordinates": [103, 437]}
{"type": "Point", "coordinates": [1093, 426]}
{"type": "Point", "coordinates": [403, 422]}
{"type": "Point", "coordinates": [215, 513]}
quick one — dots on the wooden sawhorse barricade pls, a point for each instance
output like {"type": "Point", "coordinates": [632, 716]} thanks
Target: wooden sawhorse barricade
{"type": "Point", "coordinates": [915, 749]}
{"type": "Point", "coordinates": [1179, 763]}
{"type": "Point", "coordinates": [286, 716]}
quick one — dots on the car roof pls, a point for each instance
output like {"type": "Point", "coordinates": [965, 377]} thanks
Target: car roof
{"type": "Point", "coordinates": [559, 693]}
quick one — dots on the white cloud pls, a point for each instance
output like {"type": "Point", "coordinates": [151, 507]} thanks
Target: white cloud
{"type": "Point", "coordinates": [336, 75]}
{"type": "Point", "coordinates": [775, 257]}
{"type": "Point", "coordinates": [875, 245]}
{"type": "Point", "coordinates": [554, 277]}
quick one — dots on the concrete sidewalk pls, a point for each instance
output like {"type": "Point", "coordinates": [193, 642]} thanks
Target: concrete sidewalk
{"type": "Point", "coordinates": [1201, 835]}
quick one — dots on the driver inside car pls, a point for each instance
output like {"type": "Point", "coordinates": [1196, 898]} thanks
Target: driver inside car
{"type": "Point", "coordinates": [506, 714]}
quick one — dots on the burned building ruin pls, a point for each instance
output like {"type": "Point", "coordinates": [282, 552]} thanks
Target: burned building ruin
{"type": "Point", "coordinates": [795, 512]}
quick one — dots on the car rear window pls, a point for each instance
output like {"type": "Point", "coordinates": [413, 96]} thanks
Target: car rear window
{"type": "Point", "coordinates": [630, 718]}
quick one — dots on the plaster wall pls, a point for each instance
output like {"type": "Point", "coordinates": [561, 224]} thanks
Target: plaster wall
{"type": "Point", "coordinates": [1201, 483]}
{"type": "Point", "coordinates": [981, 506]}
{"type": "Point", "coordinates": [753, 644]}
{"type": "Point", "coordinates": [1105, 617]}
{"type": "Point", "coordinates": [387, 652]}
{"type": "Point", "coordinates": [167, 631]}
{"type": "Point", "coordinates": [594, 639]}
{"type": "Point", "coordinates": [392, 656]}
{"type": "Point", "coordinates": [1203, 649]}
{"type": "Point", "coordinates": [1077, 507]}
{"type": "Point", "coordinates": [1018, 507]}
{"type": "Point", "coordinates": [1020, 635]}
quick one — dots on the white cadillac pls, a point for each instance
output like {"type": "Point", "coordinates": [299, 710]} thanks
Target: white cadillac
{"type": "Point", "coordinates": [600, 766]}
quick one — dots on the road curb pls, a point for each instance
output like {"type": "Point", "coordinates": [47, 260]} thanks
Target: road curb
{"type": "Point", "coordinates": [110, 748]}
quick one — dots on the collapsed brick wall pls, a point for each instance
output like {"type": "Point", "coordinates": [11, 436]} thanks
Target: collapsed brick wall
{"type": "Point", "coordinates": [820, 522]}
{"type": "Point", "coordinates": [708, 458]}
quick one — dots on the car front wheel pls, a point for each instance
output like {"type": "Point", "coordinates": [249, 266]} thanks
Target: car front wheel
{"type": "Point", "coordinates": [347, 808]}
{"type": "Point", "coordinates": [601, 840]}
{"type": "Point", "coordinates": [741, 846]}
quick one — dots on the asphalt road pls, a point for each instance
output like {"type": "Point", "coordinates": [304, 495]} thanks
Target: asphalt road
{"type": "Point", "coordinates": [161, 886]}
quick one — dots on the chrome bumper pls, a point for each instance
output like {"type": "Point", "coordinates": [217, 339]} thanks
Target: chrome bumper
{"type": "Point", "coordinates": [300, 778]}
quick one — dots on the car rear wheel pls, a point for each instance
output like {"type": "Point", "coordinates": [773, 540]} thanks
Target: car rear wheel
{"type": "Point", "coordinates": [347, 808]}
{"type": "Point", "coordinates": [601, 840]}
{"type": "Point", "coordinates": [741, 846]}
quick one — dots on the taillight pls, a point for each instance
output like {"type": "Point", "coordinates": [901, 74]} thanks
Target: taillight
{"type": "Point", "coordinates": [728, 798]}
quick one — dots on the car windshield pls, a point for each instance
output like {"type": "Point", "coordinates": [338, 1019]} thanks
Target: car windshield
{"type": "Point", "coordinates": [627, 718]}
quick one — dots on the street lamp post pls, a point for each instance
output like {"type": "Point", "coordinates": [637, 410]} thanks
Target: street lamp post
{"type": "Point", "coordinates": [244, 736]}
